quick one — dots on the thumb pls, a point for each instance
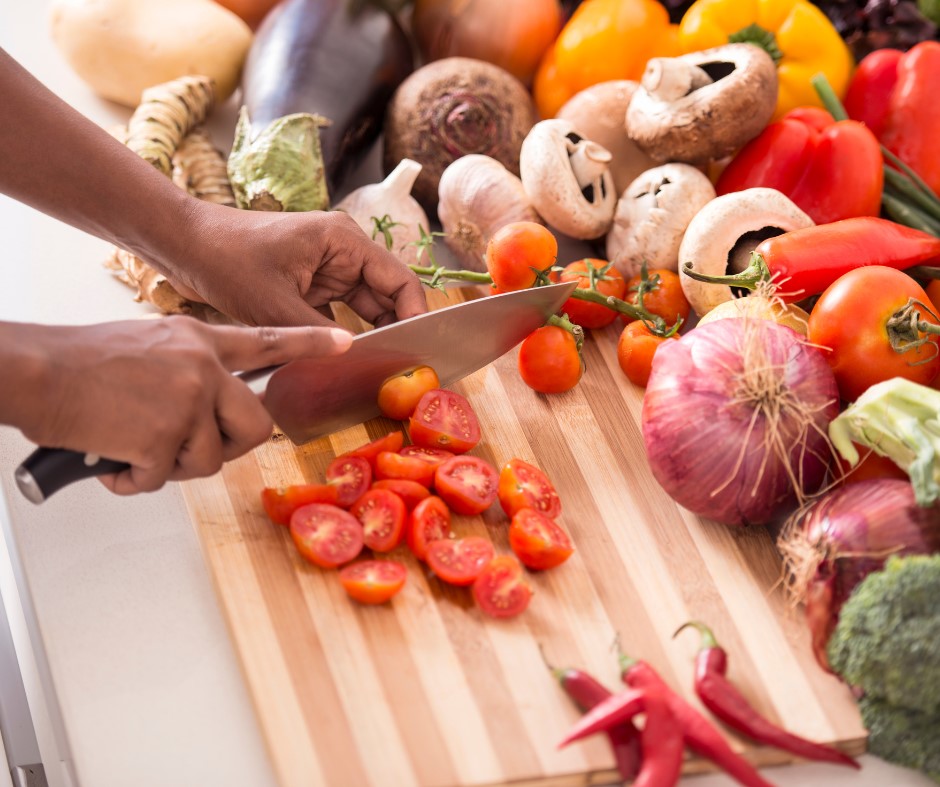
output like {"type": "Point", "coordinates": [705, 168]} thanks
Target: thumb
{"type": "Point", "coordinates": [244, 349]}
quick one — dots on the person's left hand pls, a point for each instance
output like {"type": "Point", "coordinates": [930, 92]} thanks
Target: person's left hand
{"type": "Point", "coordinates": [280, 268]}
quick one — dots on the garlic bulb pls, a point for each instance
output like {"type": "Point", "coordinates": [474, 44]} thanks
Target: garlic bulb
{"type": "Point", "coordinates": [391, 205]}
{"type": "Point", "coordinates": [478, 195]}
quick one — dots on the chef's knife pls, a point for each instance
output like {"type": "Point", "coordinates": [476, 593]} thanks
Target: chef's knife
{"type": "Point", "coordinates": [312, 397]}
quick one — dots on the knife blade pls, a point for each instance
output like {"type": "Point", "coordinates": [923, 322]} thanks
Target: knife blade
{"type": "Point", "coordinates": [312, 397]}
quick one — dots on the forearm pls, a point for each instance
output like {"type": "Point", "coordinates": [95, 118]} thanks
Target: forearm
{"type": "Point", "coordinates": [59, 162]}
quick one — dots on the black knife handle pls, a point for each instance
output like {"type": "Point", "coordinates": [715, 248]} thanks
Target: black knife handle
{"type": "Point", "coordinates": [47, 470]}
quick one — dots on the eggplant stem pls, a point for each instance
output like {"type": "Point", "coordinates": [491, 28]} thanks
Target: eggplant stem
{"type": "Point", "coordinates": [748, 279]}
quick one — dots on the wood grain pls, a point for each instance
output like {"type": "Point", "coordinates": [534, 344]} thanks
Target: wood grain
{"type": "Point", "coordinates": [428, 691]}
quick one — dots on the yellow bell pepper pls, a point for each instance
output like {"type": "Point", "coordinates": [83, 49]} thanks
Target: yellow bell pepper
{"type": "Point", "coordinates": [805, 39]}
{"type": "Point", "coordinates": [603, 40]}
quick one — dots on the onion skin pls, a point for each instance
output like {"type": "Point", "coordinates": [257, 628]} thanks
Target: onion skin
{"type": "Point", "coordinates": [849, 533]}
{"type": "Point", "coordinates": [697, 413]}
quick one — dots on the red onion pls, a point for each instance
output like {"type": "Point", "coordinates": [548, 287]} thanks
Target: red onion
{"type": "Point", "coordinates": [734, 419]}
{"type": "Point", "coordinates": [844, 536]}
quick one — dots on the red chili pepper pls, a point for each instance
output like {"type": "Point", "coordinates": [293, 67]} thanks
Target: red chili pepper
{"type": "Point", "coordinates": [831, 170]}
{"type": "Point", "coordinates": [806, 261]}
{"type": "Point", "coordinates": [908, 126]}
{"type": "Point", "coordinates": [616, 709]}
{"type": "Point", "coordinates": [662, 743]}
{"type": "Point", "coordinates": [724, 700]}
{"type": "Point", "coordinates": [624, 738]}
{"type": "Point", "coordinates": [699, 733]}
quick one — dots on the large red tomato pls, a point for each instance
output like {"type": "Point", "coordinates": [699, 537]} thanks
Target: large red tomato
{"type": "Point", "coordinates": [851, 322]}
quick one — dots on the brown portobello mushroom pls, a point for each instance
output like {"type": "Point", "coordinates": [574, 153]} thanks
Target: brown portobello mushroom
{"type": "Point", "coordinates": [340, 59]}
{"type": "Point", "coordinates": [453, 107]}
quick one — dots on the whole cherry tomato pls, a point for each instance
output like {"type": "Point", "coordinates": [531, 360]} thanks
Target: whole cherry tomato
{"type": "Point", "coordinates": [351, 475]}
{"type": "Point", "coordinates": [467, 484]}
{"type": "Point", "coordinates": [549, 360]}
{"type": "Point", "coordinates": [280, 502]}
{"type": "Point", "coordinates": [459, 561]}
{"type": "Point", "coordinates": [522, 485]}
{"type": "Point", "coordinates": [635, 349]}
{"type": "Point", "coordinates": [373, 581]}
{"type": "Point", "coordinates": [444, 419]}
{"type": "Point", "coordinates": [382, 514]}
{"type": "Point", "coordinates": [430, 521]}
{"type": "Point", "coordinates": [501, 589]}
{"type": "Point", "coordinates": [399, 395]}
{"type": "Point", "coordinates": [850, 322]}
{"type": "Point", "coordinates": [538, 541]}
{"type": "Point", "coordinates": [593, 274]}
{"type": "Point", "coordinates": [515, 249]}
{"type": "Point", "coordinates": [326, 535]}
{"type": "Point", "coordinates": [662, 295]}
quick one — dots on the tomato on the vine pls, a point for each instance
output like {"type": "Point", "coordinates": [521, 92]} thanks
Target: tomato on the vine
{"type": "Point", "coordinates": [382, 514]}
{"type": "Point", "coordinates": [326, 535]}
{"type": "Point", "coordinates": [459, 561]}
{"type": "Point", "coordinates": [606, 279]}
{"type": "Point", "coordinates": [409, 468]}
{"type": "Point", "coordinates": [444, 419]}
{"type": "Point", "coordinates": [399, 395]}
{"type": "Point", "coordinates": [373, 581]}
{"type": "Point", "coordinates": [635, 350]}
{"type": "Point", "coordinates": [664, 296]}
{"type": "Point", "coordinates": [501, 589]}
{"type": "Point", "coordinates": [467, 484]}
{"type": "Point", "coordinates": [430, 521]}
{"type": "Point", "coordinates": [538, 541]}
{"type": "Point", "coordinates": [393, 441]}
{"type": "Point", "coordinates": [280, 502]}
{"type": "Point", "coordinates": [522, 485]}
{"type": "Point", "coordinates": [549, 360]}
{"type": "Point", "coordinates": [351, 475]}
{"type": "Point", "coordinates": [515, 249]}
{"type": "Point", "coordinates": [850, 323]}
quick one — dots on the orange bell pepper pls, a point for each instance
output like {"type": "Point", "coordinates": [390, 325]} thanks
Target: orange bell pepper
{"type": "Point", "coordinates": [603, 40]}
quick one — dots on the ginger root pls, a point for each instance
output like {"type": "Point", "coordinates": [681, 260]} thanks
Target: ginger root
{"type": "Point", "coordinates": [152, 287]}
{"type": "Point", "coordinates": [200, 168]}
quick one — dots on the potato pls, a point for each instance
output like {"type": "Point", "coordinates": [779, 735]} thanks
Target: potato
{"type": "Point", "coordinates": [120, 47]}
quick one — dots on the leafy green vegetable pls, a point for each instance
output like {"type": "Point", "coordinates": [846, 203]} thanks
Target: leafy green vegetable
{"type": "Point", "coordinates": [903, 736]}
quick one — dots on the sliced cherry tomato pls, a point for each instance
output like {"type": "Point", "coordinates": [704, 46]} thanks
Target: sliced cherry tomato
{"type": "Point", "coordinates": [373, 581]}
{"type": "Point", "coordinates": [849, 321]}
{"type": "Point", "coordinates": [444, 419]}
{"type": "Point", "coordinates": [280, 502]}
{"type": "Point", "coordinates": [351, 475]}
{"type": "Point", "coordinates": [467, 484]}
{"type": "Point", "coordinates": [410, 468]}
{"type": "Point", "coordinates": [606, 279]}
{"type": "Point", "coordinates": [663, 297]}
{"type": "Point", "coordinates": [538, 541]}
{"type": "Point", "coordinates": [382, 514]}
{"type": "Point", "coordinates": [393, 441]}
{"type": "Point", "coordinates": [399, 395]}
{"type": "Point", "coordinates": [430, 521]}
{"type": "Point", "coordinates": [549, 361]}
{"type": "Point", "coordinates": [411, 492]}
{"type": "Point", "coordinates": [433, 456]}
{"type": "Point", "coordinates": [635, 350]}
{"type": "Point", "coordinates": [326, 535]}
{"type": "Point", "coordinates": [522, 485]}
{"type": "Point", "coordinates": [515, 250]}
{"type": "Point", "coordinates": [501, 589]}
{"type": "Point", "coordinates": [459, 561]}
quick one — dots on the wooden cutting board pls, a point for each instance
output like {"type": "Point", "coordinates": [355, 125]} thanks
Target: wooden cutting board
{"type": "Point", "coordinates": [427, 690]}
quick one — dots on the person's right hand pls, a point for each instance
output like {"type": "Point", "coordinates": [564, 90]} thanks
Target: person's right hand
{"type": "Point", "coordinates": [157, 394]}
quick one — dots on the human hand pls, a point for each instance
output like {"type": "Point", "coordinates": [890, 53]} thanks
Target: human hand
{"type": "Point", "coordinates": [157, 394]}
{"type": "Point", "coordinates": [280, 268]}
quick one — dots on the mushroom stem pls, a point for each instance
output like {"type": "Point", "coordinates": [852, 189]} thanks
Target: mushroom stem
{"type": "Point", "coordinates": [589, 162]}
{"type": "Point", "coordinates": [669, 78]}
{"type": "Point", "coordinates": [748, 279]}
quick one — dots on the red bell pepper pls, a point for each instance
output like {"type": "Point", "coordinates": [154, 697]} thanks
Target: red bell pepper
{"type": "Point", "coordinates": [895, 94]}
{"type": "Point", "coordinates": [831, 170]}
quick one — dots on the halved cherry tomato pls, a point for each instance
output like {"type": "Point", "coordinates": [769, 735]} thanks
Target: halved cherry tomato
{"type": "Point", "coordinates": [549, 361]}
{"type": "Point", "coordinates": [433, 456]}
{"type": "Point", "coordinates": [280, 502]}
{"type": "Point", "coordinates": [665, 299]}
{"type": "Point", "coordinates": [389, 465]}
{"type": "Point", "coordinates": [382, 514]}
{"type": "Point", "coordinates": [430, 521]}
{"type": "Point", "coordinates": [459, 561]}
{"type": "Point", "coordinates": [351, 475]}
{"type": "Point", "coordinates": [326, 535]}
{"type": "Point", "coordinates": [399, 395]}
{"type": "Point", "coordinates": [515, 250]}
{"type": "Point", "coordinates": [373, 581]}
{"type": "Point", "coordinates": [501, 589]}
{"type": "Point", "coordinates": [393, 441]}
{"type": "Point", "coordinates": [444, 419]}
{"type": "Point", "coordinates": [607, 281]}
{"type": "Point", "coordinates": [522, 485]}
{"type": "Point", "coordinates": [467, 484]}
{"type": "Point", "coordinates": [538, 541]}
{"type": "Point", "coordinates": [635, 350]}
{"type": "Point", "coordinates": [411, 492]}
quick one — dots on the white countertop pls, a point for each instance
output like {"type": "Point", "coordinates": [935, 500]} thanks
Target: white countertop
{"type": "Point", "coordinates": [139, 676]}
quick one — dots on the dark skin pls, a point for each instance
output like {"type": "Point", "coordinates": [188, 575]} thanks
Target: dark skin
{"type": "Point", "coordinates": [159, 394]}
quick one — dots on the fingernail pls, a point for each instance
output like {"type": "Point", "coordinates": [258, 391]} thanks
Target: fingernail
{"type": "Point", "coordinates": [341, 339]}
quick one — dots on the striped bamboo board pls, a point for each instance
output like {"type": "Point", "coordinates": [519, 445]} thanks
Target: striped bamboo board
{"type": "Point", "coordinates": [427, 690]}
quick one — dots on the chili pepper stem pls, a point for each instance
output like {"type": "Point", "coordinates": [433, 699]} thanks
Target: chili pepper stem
{"type": "Point", "coordinates": [708, 637]}
{"type": "Point", "coordinates": [748, 279]}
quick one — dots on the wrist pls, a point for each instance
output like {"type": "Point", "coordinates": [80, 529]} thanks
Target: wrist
{"type": "Point", "coordinates": [25, 402]}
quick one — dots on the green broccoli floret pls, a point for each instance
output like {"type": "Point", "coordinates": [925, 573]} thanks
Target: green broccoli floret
{"type": "Point", "coordinates": [903, 736]}
{"type": "Point", "coordinates": [887, 640]}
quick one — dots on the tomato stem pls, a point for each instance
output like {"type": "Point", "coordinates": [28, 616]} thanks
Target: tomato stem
{"type": "Point", "coordinates": [748, 279]}
{"type": "Point", "coordinates": [439, 273]}
{"type": "Point", "coordinates": [575, 330]}
{"type": "Point", "coordinates": [907, 331]}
